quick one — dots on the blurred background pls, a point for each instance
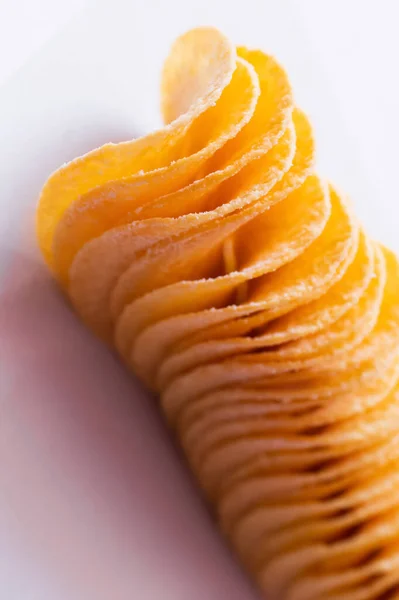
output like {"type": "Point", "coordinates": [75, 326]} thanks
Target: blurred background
{"type": "Point", "coordinates": [93, 500]}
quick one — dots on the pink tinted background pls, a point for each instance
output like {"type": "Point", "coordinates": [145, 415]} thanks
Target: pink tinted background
{"type": "Point", "coordinates": [88, 470]}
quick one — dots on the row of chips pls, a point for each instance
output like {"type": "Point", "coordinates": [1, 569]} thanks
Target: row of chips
{"type": "Point", "coordinates": [241, 288]}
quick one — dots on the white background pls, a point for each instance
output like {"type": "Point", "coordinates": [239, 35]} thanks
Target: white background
{"type": "Point", "coordinates": [71, 79]}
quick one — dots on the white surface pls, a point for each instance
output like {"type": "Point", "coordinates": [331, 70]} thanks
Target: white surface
{"type": "Point", "coordinates": [27, 25]}
{"type": "Point", "coordinates": [77, 446]}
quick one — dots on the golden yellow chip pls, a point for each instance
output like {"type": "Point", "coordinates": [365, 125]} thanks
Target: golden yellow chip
{"type": "Point", "coordinates": [119, 246]}
{"type": "Point", "coordinates": [319, 314]}
{"type": "Point", "coordinates": [208, 79]}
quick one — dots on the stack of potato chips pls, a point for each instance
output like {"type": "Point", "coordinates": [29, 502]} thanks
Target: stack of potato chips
{"type": "Point", "coordinates": [241, 288]}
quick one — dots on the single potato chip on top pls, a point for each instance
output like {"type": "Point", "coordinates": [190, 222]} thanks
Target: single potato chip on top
{"type": "Point", "coordinates": [240, 287]}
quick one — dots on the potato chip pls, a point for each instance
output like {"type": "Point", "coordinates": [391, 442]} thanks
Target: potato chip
{"type": "Point", "coordinates": [343, 236]}
{"type": "Point", "coordinates": [293, 282]}
{"type": "Point", "coordinates": [241, 288]}
{"type": "Point", "coordinates": [281, 159]}
{"type": "Point", "coordinates": [283, 359]}
{"type": "Point", "coordinates": [211, 76]}
{"type": "Point", "coordinates": [340, 338]}
{"type": "Point", "coordinates": [124, 201]}
{"type": "Point", "coordinates": [305, 213]}
{"type": "Point", "coordinates": [307, 487]}
{"type": "Point", "coordinates": [179, 169]}
{"type": "Point", "coordinates": [89, 287]}
{"type": "Point", "coordinates": [315, 316]}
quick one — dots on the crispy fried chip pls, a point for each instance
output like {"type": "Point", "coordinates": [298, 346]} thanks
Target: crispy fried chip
{"type": "Point", "coordinates": [188, 92]}
{"type": "Point", "coordinates": [240, 287]}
